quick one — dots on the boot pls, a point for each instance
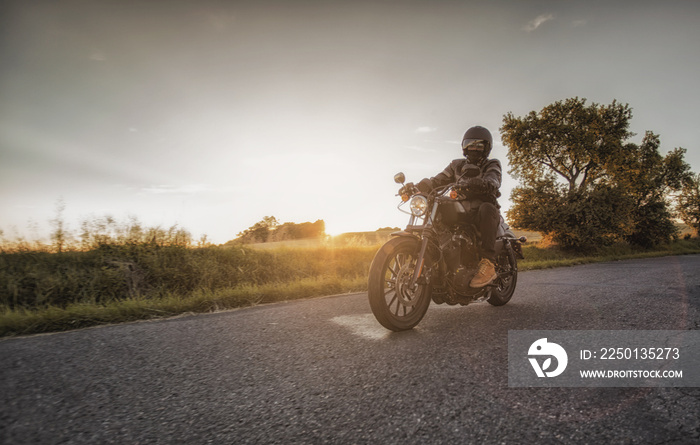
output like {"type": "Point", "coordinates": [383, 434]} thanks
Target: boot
{"type": "Point", "coordinates": [485, 275]}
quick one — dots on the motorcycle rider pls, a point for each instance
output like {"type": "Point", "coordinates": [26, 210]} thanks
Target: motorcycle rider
{"type": "Point", "coordinates": [476, 147]}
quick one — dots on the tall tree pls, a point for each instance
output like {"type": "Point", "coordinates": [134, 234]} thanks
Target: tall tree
{"type": "Point", "coordinates": [560, 155]}
{"type": "Point", "coordinates": [582, 183]}
{"type": "Point", "coordinates": [649, 179]}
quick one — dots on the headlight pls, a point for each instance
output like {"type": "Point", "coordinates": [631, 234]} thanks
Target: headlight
{"type": "Point", "coordinates": [419, 205]}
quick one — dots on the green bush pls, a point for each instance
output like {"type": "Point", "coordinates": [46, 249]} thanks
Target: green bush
{"type": "Point", "coordinates": [119, 272]}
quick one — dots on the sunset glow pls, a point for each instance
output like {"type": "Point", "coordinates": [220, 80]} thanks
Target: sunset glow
{"type": "Point", "coordinates": [213, 115]}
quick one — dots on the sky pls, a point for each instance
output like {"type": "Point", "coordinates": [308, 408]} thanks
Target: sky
{"type": "Point", "coordinates": [213, 114]}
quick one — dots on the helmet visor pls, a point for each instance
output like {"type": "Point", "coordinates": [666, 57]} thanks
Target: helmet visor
{"type": "Point", "coordinates": [480, 145]}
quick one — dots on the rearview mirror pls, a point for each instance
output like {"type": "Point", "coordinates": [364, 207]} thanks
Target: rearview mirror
{"type": "Point", "coordinates": [399, 178]}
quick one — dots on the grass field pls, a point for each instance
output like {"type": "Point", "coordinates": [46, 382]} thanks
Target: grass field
{"type": "Point", "coordinates": [358, 239]}
{"type": "Point", "coordinates": [42, 291]}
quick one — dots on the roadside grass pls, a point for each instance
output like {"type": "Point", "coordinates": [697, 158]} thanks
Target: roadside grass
{"type": "Point", "coordinates": [44, 292]}
{"type": "Point", "coordinates": [81, 315]}
{"type": "Point", "coordinates": [549, 257]}
{"type": "Point", "coordinates": [48, 292]}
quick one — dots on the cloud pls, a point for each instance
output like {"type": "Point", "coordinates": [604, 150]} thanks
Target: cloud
{"type": "Point", "coordinates": [537, 22]}
{"type": "Point", "coordinates": [578, 23]}
{"type": "Point", "coordinates": [426, 129]}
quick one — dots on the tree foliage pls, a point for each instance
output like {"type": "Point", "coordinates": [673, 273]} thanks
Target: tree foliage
{"type": "Point", "coordinates": [689, 202]}
{"type": "Point", "coordinates": [566, 141]}
{"type": "Point", "coordinates": [649, 180]}
{"type": "Point", "coordinates": [269, 229]}
{"type": "Point", "coordinates": [260, 231]}
{"type": "Point", "coordinates": [582, 183]}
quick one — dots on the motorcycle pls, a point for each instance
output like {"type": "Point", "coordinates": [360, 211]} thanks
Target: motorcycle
{"type": "Point", "coordinates": [436, 256]}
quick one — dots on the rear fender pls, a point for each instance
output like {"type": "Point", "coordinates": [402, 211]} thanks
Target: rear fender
{"type": "Point", "coordinates": [517, 249]}
{"type": "Point", "coordinates": [512, 244]}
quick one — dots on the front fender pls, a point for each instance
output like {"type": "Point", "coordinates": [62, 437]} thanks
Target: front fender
{"type": "Point", "coordinates": [403, 233]}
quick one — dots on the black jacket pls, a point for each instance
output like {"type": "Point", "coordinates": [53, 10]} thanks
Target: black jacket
{"type": "Point", "coordinates": [490, 173]}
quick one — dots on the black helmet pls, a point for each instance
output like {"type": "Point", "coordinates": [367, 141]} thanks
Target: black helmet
{"type": "Point", "coordinates": [476, 144]}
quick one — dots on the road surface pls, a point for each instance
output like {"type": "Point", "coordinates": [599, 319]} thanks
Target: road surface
{"type": "Point", "coordinates": [323, 371]}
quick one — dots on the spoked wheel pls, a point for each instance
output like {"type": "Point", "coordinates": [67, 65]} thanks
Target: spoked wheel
{"type": "Point", "coordinates": [396, 303]}
{"type": "Point", "coordinates": [507, 268]}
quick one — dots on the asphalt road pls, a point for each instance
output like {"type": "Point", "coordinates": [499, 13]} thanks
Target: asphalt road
{"type": "Point", "coordinates": [323, 371]}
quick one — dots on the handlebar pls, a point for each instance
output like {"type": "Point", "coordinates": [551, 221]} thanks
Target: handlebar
{"type": "Point", "coordinates": [461, 189]}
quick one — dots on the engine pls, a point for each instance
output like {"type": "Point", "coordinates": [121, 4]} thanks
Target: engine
{"type": "Point", "coordinates": [461, 258]}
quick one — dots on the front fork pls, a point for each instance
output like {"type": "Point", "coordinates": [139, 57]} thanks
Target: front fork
{"type": "Point", "coordinates": [418, 277]}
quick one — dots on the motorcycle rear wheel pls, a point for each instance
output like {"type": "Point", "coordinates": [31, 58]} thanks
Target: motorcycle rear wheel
{"type": "Point", "coordinates": [396, 304]}
{"type": "Point", "coordinates": [505, 286]}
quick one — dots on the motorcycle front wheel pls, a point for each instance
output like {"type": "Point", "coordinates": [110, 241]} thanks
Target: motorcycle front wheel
{"type": "Point", "coordinates": [396, 304]}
